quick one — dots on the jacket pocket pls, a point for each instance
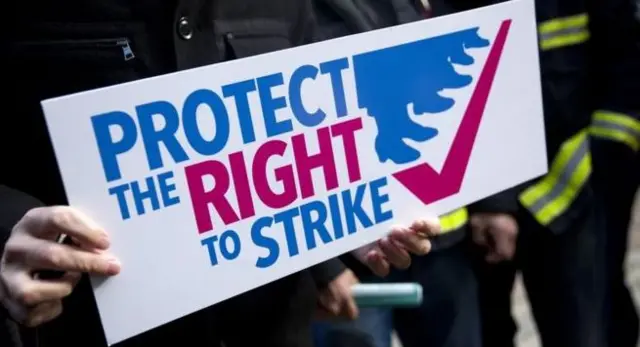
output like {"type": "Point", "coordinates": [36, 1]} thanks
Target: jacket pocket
{"type": "Point", "coordinates": [98, 50]}
{"type": "Point", "coordinates": [253, 37]}
{"type": "Point", "coordinates": [50, 68]}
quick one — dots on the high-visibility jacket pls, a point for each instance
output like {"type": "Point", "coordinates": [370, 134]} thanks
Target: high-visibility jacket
{"type": "Point", "coordinates": [590, 69]}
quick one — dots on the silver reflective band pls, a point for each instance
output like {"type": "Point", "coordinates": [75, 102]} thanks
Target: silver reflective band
{"type": "Point", "coordinates": [617, 127]}
{"type": "Point", "coordinates": [564, 180]}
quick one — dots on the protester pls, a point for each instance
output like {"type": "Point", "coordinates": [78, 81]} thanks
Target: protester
{"type": "Point", "coordinates": [616, 174]}
{"type": "Point", "coordinates": [615, 151]}
{"type": "Point", "coordinates": [57, 48]}
{"type": "Point", "coordinates": [555, 227]}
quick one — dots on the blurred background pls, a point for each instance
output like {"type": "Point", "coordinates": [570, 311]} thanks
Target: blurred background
{"type": "Point", "coordinates": [527, 336]}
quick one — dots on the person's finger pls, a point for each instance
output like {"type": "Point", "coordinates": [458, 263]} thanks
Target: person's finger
{"type": "Point", "coordinates": [44, 222]}
{"type": "Point", "coordinates": [479, 237]}
{"type": "Point", "coordinates": [351, 309]}
{"type": "Point", "coordinates": [377, 263]}
{"type": "Point", "coordinates": [46, 255]}
{"type": "Point", "coordinates": [477, 222]}
{"type": "Point", "coordinates": [479, 232]}
{"type": "Point", "coordinates": [394, 254]}
{"type": "Point", "coordinates": [43, 313]}
{"type": "Point", "coordinates": [411, 241]}
{"type": "Point", "coordinates": [329, 302]}
{"type": "Point", "coordinates": [30, 292]}
{"type": "Point", "coordinates": [427, 227]}
{"type": "Point", "coordinates": [505, 246]}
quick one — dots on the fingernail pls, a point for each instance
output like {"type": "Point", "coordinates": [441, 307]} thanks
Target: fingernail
{"type": "Point", "coordinates": [113, 267]}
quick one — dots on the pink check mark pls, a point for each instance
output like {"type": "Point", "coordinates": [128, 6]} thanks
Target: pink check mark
{"type": "Point", "coordinates": [426, 183]}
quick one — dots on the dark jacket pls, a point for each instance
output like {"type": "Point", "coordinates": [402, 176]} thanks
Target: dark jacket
{"type": "Point", "coordinates": [56, 48]}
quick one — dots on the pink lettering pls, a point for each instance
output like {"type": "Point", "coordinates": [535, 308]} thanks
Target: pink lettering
{"type": "Point", "coordinates": [323, 159]}
{"type": "Point", "coordinates": [347, 131]}
{"type": "Point", "coordinates": [283, 174]}
{"type": "Point", "coordinates": [235, 175]}
{"type": "Point", "coordinates": [200, 199]}
{"type": "Point", "coordinates": [241, 183]}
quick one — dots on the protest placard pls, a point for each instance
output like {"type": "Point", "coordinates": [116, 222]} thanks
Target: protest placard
{"type": "Point", "coordinates": [217, 180]}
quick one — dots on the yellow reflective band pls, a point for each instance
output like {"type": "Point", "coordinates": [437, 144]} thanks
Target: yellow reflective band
{"type": "Point", "coordinates": [559, 205]}
{"type": "Point", "coordinates": [569, 171]}
{"type": "Point", "coordinates": [454, 220]}
{"type": "Point", "coordinates": [564, 40]}
{"type": "Point", "coordinates": [536, 192]}
{"type": "Point", "coordinates": [577, 21]}
{"type": "Point", "coordinates": [617, 136]}
{"type": "Point", "coordinates": [621, 119]}
{"type": "Point", "coordinates": [561, 32]}
{"type": "Point", "coordinates": [617, 127]}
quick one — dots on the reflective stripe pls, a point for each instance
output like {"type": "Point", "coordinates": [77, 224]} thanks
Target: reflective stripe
{"type": "Point", "coordinates": [562, 32]}
{"type": "Point", "coordinates": [570, 170]}
{"type": "Point", "coordinates": [616, 127]}
{"type": "Point", "coordinates": [454, 220]}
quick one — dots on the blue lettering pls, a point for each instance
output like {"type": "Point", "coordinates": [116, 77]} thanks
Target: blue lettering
{"type": "Point", "coordinates": [235, 245]}
{"type": "Point", "coordinates": [190, 122]}
{"type": "Point", "coordinates": [157, 192]}
{"type": "Point", "coordinates": [314, 220]}
{"type": "Point", "coordinates": [312, 225]}
{"type": "Point", "coordinates": [167, 135]}
{"type": "Point", "coordinates": [270, 104]}
{"type": "Point", "coordinates": [210, 243]}
{"type": "Point", "coordinates": [107, 146]}
{"type": "Point", "coordinates": [166, 188]}
{"type": "Point", "coordinates": [240, 91]}
{"type": "Point", "coordinates": [295, 97]}
{"type": "Point", "coordinates": [265, 242]}
{"type": "Point", "coordinates": [140, 195]}
{"type": "Point", "coordinates": [378, 200]}
{"type": "Point", "coordinates": [120, 191]}
{"type": "Point", "coordinates": [353, 209]}
{"type": "Point", "coordinates": [286, 218]}
{"type": "Point", "coordinates": [336, 219]}
{"type": "Point", "coordinates": [334, 69]}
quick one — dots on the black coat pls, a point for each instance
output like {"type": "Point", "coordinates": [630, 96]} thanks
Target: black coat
{"type": "Point", "coordinates": [54, 48]}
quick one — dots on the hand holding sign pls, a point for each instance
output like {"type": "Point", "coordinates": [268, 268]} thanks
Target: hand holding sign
{"type": "Point", "coordinates": [31, 247]}
{"type": "Point", "coordinates": [395, 248]}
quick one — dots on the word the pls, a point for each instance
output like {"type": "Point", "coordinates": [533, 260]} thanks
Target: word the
{"type": "Point", "coordinates": [159, 190]}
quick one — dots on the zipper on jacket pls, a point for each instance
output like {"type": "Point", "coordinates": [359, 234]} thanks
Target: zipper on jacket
{"type": "Point", "coordinates": [122, 43]}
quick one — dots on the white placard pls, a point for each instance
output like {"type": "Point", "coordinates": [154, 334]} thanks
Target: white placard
{"type": "Point", "coordinates": [220, 179]}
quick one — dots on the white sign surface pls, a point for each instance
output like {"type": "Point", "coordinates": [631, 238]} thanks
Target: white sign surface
{"type": "Point", "coordinates": [220, 179]}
